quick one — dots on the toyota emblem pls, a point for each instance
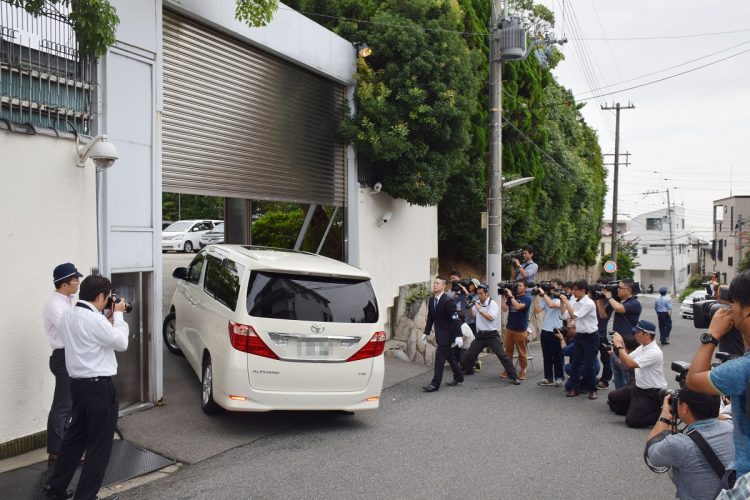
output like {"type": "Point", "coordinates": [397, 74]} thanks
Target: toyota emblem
{"type": "Point", "coordinates": [317, 328]}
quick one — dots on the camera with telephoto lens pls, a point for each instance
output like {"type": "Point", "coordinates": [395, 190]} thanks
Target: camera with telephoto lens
{"type": "Point", "coordinates": [512, 286]}
{"type": "Point", "coordinates": [612, 286]}
{"type": "Point", "coordinates": [518, 254]}
{"type": "Point", "coordinates": [543, 286]}
{"type": "Point", "coordinates": [704, 310]}
{"type": "Point", "coordinates": [681, 368]}
{"type": "Point", "coordinates": [113, 299]}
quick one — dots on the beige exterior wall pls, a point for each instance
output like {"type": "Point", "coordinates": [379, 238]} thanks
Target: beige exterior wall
{"type": "Point", "coordinates": [49, 208]}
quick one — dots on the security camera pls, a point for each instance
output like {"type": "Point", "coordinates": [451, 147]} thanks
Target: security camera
{"type": "Point", "coordinates": [387, 217]}
{"type": "Point", "coordinates": [377, 187]}
{"type": "Point", "coordinates": [100, 150]}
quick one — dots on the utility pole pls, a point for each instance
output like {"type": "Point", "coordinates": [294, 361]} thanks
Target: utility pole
{"type": "Point", "coordinates": [617, 109]}
{"type": "Point", "coordinates": [495, 175]}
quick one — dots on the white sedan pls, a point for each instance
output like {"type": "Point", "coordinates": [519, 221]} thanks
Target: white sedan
{"type": "Point", "coordinates": [686, 308]}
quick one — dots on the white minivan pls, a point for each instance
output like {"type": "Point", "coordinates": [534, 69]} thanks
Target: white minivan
{"type": "Point", "coordinates": [269, 329]}
{"type": "Point", "coordinates": [185, 235]}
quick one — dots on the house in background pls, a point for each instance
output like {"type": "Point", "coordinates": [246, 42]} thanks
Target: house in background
{"type": "Point", "coordinates": [663, 249]}
{"type": "Point", "coordinates": [605, 242]}
{"type": "Point", "coordinates": [730, 235]}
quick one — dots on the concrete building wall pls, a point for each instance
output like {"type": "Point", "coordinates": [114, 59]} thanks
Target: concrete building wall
{"type": "Point", "coordinates": [49, 205]}
{"type": "Point", "coordinates": [397, 252]}
{"type": "Point", "coordinates": [731, 235]}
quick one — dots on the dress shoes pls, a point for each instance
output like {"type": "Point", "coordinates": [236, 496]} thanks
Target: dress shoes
{"type": "Point", "coordinates": [429, 388]}
{"type": "Point", "coordinates": [454, 383]}
{"type": "Point", "coordinates": [504, 374]}
{"type": "Point", "coordinates": [515, 381]}
{"type": "Point", "coordinates": [52, 494]}
{"type": "Point", "coordinates": [571, 393]}
{"type": "Point", "coordinates": [467, 372]}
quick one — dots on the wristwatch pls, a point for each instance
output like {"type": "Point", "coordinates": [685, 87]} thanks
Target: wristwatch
{"type": "Point", "coordinates": [665, 420]}
{"type": "Point", "coordinates": [707, 338]}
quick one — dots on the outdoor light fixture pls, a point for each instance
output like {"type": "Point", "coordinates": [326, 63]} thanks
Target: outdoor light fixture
{"type": "Point", "coordinates": [99, 149]}
{"type": "Point", "coordinates": [362, 49]}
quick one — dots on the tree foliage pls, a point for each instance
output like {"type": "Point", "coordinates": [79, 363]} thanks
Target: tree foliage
{"type": "Point", "coordinates": [626, 264]}
{"type": "Point", "coordinates": [255, 12]}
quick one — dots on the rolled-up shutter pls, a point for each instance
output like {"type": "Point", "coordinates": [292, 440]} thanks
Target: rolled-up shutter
{"type": "Point", "coordinates": [241, 123]}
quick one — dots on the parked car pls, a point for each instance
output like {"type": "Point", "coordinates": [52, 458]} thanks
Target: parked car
{"type": "Point", "coordinates": [267, 329]}
{"type": "Point", "coordinates": [185, 235]}
{"type": "Point", "coordinates": [166, 223]}
{"type": "Point", "coordinates": [212, 237]}
{"type": "Point", "coordinates": [686, 308]}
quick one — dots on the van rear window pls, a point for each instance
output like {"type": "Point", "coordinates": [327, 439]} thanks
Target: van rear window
{"type": "Point", "coordinates": [311, 298]}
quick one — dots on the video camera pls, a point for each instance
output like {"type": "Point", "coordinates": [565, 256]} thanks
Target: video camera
{"type": "Point", "coordinates": [457, 284]}
{"type": "Point", "coordinates": [612, 287]}
{"type": "Point", "coordinates": [547, 288]}
{"type": "Point", "coordinates": [518, 254]}
{"type": "Point", "coordinates": [512, 286]}
{"type": "Point", "coordinates": [704, 310]}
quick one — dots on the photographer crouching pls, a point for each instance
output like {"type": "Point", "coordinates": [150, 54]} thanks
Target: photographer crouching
{"type": "Point", "coordinates": [639, 402]}
{"type": "Point", "coordinates": [698, 457]}
{"type": "Point", "coordinates": [732, 377]}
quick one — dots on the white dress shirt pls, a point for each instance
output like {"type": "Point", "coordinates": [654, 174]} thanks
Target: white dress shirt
{"type": "Point", "coordinates": [91, 341]}
{"type": "Point", "coordinates": [650, 371]}
{"type": "Point", "coordinates": [584, 311]}
{"type": "Point", "coordinates": [53, 311]}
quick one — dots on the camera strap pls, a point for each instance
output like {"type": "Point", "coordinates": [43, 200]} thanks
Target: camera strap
{"type": "Point", "coordinates": [713, 460]}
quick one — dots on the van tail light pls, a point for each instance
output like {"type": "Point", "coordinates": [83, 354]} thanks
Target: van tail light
{"type": "Point", "coordinates": [373, 348]}
{"type": "Point", "coordinates": [243, 338]}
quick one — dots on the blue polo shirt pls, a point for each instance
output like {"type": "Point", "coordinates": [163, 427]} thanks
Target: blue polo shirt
{"type": "Point", "coordinates": [624, 323]}
{"type": "Point", "coordinates": [519, 320]}
{"type": "Point", "coordinates": [731, 379]}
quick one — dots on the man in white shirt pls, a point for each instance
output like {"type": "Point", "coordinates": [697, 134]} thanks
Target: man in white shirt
{"type": "Point", "coordinates": [640, 403]}
{"type": "Point", "coordinates": [90, 341]}
{"type": "Point", "coordinates": [65, 278]}
{"type": "Point", "coordinates": [582, 311]}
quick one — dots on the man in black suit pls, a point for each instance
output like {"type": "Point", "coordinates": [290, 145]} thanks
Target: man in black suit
{"type": "Point", "coordinates": [441, 312]}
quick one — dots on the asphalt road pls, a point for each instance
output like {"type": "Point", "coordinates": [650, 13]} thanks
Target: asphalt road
{"type": "Point", "coordinates": [484, 439]}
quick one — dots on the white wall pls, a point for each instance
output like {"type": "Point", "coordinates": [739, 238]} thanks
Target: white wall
{"type": "Point", "coordinates": [49, 205]}
{"type": "Point", "coordinates": [398, 252]}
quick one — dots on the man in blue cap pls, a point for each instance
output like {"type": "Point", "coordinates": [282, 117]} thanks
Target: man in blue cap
{"type": "Point", "coordinates": [663, 308]}
{"type": "Point", "coordinates": [65, 277]}
{"type": "Point", "coordinates": [640, 403]}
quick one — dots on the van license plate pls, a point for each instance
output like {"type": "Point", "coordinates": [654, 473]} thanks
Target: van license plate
{"type": "Point", "coordinates": [314, 348]}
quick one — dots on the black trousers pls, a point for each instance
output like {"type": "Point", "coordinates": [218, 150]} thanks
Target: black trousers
{"type": "Point", "coordinates": [552, 356]}
{"type": "Point", "coordinates": [92, 428]}
{"type": "Point", "coordinates": [59, 413]}
{"type": "Point", "coordinates": [641, 407]}
{"type": "Point", "coordinates": [443, 353]}
{"type": "Point", "coordinates": [496, 346]}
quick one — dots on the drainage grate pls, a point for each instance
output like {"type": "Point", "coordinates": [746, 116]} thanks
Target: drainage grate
{"type": "Point", "coordinates": [126, 462]}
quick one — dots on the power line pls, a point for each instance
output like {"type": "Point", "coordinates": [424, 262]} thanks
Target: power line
{"type": "Point", "coordinates": [668, 37]}
{"type": "Point", "coordinates": [665, 78]}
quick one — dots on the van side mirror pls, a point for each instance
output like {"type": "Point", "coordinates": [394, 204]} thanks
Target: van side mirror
{"type": "Point", "coordinates": [180, 273]}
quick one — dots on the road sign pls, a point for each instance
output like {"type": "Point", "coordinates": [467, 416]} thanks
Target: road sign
{"type": "Point", "coordinates": [610, 266]}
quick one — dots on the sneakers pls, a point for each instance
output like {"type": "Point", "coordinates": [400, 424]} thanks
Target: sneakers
{"type": "Point", "coordinates": [515, 381]}
{"type": "Point", "coordinates": [559, 382]}
{"type": "Point", "coordinates": [602, 384]}
{"type": "Point", "coordinates": [545, 382]}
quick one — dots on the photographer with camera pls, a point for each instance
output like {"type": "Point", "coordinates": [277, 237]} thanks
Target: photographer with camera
{"type": "Point", "coordinates": [627, 312]}
{"type": "Point", "coordinates": [548, 300]}
{"type": "Point", "coordinates": [518, 305]}
{"type": "Point", "coordinates": [90, 343]}
{"type": "Point", "coordinates": [486, 312]}
{"type": "Point", "coordinates": [731, 378]}
{"type": "Point", "coordinates": [458, 290]}
{"type": "Point", "coordinates": [640, 402]}
{"type": "Point", "coordinates": [525, 271]}
{"type": "Point", "coordinates": [605, 348]}
{"type": "Point", "coordinates": [582, 311]}
{"type": "Point", "coordinates": [697, 469]}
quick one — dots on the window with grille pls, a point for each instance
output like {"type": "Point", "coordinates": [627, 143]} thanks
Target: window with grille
{"type": "Point", "coordinates": [44, 80]}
